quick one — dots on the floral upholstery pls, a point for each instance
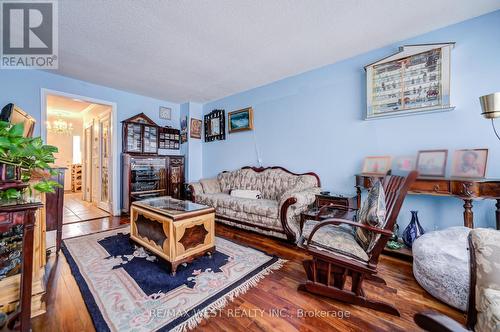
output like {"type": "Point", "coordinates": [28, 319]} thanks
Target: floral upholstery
{"type": "Point", "coordinates": [210, 186]}
{"type": "Point", "coordinates": [486, 244]}
{"type": "Point", "coordinates": [372, 213]}
{"type": "Point", "coordinates": [304, 198]}
{"type": "Point", "coordinates": [489, 319]}
{"type": "Point", "coordinates": [334, 238]}
{"type": "Point", "coordinates": [272, 183]}
{"type": "Point", "coordinates": [261, 207]}
{"type": "Point", "coordinates": [276, 186]}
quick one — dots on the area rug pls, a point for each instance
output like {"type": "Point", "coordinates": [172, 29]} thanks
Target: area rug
{"type": "Point", "coordinates": [126, 288]}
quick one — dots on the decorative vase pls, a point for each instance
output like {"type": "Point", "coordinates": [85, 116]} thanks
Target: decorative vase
{"type": "Point", "coordinates": [413, 230]}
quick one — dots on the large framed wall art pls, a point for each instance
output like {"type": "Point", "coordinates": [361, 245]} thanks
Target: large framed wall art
{"type": "Point", "coordinates": [415, 80]}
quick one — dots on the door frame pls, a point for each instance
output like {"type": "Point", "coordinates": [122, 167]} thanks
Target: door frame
{"type": "Point", "coordinates": [115, 184]}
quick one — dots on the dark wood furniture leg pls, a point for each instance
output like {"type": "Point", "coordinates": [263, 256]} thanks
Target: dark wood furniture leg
{"type": "Point", "coordinates": [27, 274]}
{"type": "Point", "coordinates": [468, 214]}
{"type": "Point", "coordinates": [497, 212]}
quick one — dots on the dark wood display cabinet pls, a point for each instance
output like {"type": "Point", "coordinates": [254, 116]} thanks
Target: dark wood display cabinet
{"type": "Point", "coordinates": [140, 135]}
{"type": "Point", "coordinates": [151, 176]}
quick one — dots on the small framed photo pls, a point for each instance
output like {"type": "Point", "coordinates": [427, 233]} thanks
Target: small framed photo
{"type": "Point", "coordinates": [240, 120]}
{"type": "Point", "coordinates": [377, 165]}
{"type": "Point", "coordinates": [405, 163]}
{"type": "Point", "coordinates": [432, 162]}
{"type": "Point", "coordinates": [165, 113]}
{"type": "Point", "coordinates": [470, 163]}
{"type": "Point", "coordinates": [195, 131]}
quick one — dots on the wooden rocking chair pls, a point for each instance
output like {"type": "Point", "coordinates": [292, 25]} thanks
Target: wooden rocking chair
{"type": "Point", "coordinates": [334, 258]}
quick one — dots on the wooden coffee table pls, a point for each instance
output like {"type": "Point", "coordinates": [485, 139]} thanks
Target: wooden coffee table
{"type": "Point", "coordinates": [175, 230]}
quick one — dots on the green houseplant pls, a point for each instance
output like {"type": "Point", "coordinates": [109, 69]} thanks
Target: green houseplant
{"type": "Point", "coordinates": [29, 156]}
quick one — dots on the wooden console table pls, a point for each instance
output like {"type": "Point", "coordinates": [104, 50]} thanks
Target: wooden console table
{"type": "Point", "coordinates": [465, 189]}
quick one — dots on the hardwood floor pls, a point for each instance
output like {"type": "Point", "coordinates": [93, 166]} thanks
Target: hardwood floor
{"type": "Point", "coordinates": [274, 305]}
{"type": "Point", "coordinates": [76, 209]}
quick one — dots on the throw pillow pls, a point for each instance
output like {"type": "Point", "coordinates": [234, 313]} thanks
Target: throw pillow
{"type": "Point", "coordinates": [252, 194]}
{"type": "Point", "coordinates": [372, 213]}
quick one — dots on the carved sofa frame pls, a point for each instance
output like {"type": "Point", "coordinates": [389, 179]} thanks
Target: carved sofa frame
{"type": "Point", "coordinates": [283, 209]}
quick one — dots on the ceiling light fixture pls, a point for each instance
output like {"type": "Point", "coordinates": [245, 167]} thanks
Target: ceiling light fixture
{"type": "Point", "coordinates": [60, 127]}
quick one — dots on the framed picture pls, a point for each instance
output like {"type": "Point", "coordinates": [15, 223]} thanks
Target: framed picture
{"type": "Point", "coordinates": [414, 80]}
{"type": "Point", "coordinates": [377, 165]}
{"type": "Point", "coordinates": [432, 162]}
{"type": "Point", "coordinates": [165, 113]}
{"type": "Point", "coordinates": [470, 163]}
{"type": "Point", "coordinates": [405, 163]}
{"type": "Point", "coordinates": [240, 120]}
{"type": "Point", "coordinates": [195, 131]}
{"type": "Point", "coordinates": [184, 129]}
{"type": "Point", "coordinates": [215, 125]}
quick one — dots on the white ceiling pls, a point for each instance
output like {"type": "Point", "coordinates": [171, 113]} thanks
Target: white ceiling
{"type": "Point", "coordinates": [60, 104]}
{"type": "Point", "coordinates": [201, 50]}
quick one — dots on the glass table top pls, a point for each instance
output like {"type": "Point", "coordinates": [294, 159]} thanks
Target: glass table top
{"type": "Point", "coordinates": [170, 205]}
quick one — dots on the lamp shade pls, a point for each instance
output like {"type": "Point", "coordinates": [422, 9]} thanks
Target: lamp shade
{"type": "Point", "coordinates": [490, 105]}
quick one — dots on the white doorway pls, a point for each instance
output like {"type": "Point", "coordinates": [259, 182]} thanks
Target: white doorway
{"type": "Point", "coordinates": [96, 194]}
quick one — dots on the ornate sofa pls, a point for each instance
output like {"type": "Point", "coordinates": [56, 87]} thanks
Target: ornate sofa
{"type": "Point", "coordinates": [284, 196]}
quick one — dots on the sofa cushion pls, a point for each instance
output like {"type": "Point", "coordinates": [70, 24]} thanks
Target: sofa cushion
{"type": "Point", "coordinates": [372, 213]}
{"type": "Point", "coordinates": [210, 186]}
{"type": "Point", "coordinates": [334, 238]}
{"type": "Point", "coordinates": [237, 216]}
{"type": "Point", "coordinates": [262, 207]}
{"type": "Point", "coordinates": [272, 183]}
{"type": "Point", "coordinates": [489, 319]}
{"type": "Point", "coordinates": [251, 194]}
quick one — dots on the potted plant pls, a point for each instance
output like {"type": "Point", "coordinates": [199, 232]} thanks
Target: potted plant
{"type": "Point", "coordinates": [21, 160]}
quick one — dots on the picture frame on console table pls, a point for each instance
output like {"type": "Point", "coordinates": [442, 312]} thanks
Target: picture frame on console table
{"type": "Point", "coordinates": [377, 165]}
{"type": "Point", "coordinates": [470, 163]}
{"type": "Point", "coordinates": [432, 163]}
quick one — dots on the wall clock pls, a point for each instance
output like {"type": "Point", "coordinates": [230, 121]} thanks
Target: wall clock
{"type": "Point", "coordinates": [165, 113]}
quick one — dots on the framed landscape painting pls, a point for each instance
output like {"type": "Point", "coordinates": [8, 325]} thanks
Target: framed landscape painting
{"type": "Point", "coordinates": [241, 120]}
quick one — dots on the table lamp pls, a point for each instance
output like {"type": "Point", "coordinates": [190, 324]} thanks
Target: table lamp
{"type": "Point", "coordinates": [490, 105]}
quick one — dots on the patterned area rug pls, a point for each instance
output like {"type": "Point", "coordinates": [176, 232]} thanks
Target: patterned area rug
{"type": "Point", "coordinates": [126, 288]}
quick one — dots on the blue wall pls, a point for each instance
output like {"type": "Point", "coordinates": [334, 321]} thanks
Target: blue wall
{"type": "Point", "coordinates": [313, 121]}
{"type": "Point", "coordinates": [23, 88]}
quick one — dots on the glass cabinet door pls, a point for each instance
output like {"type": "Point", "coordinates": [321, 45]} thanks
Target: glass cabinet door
{"type": "Point", "coordinates": [134, 137]}
{"type": "Point", "coordinates": [150, 139]}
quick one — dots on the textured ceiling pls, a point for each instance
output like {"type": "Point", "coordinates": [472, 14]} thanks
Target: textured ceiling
{"type": "Point", "coordinates": [201, 50]}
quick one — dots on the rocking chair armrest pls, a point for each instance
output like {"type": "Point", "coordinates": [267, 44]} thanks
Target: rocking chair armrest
{"type": "Point", "coordinates": [435, 321]}
{"type": "Point", "coordinates": [338, 221]}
